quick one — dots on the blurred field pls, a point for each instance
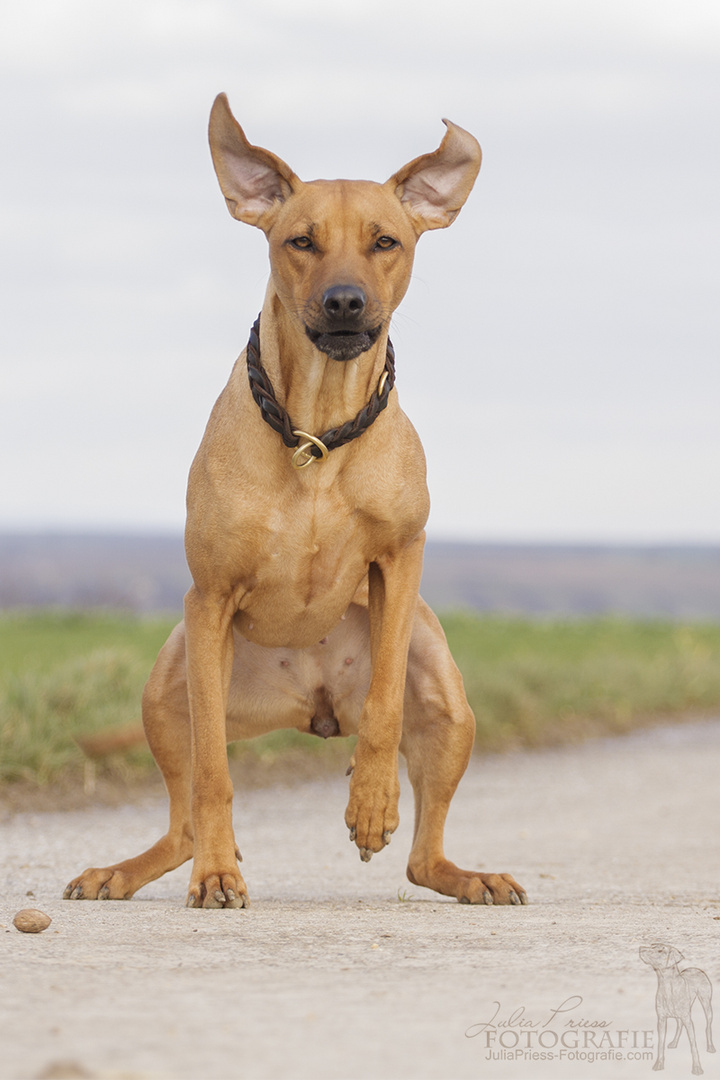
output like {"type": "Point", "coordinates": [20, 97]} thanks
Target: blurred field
{"type": "Point", "coordinates": [148, 574]}
{"type": "Point", "coordinates": [530, 683]}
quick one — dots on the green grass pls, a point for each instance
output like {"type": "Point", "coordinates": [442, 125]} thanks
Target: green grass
{"type": "Point", "coordinates": [68, 674]}
{"type": "Point", "coordinates": [530, 683]}
{"type": "Point", "coordinates": [536, 683]}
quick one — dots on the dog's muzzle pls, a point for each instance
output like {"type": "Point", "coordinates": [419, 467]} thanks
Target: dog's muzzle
{"type": "Point", "coordinates": [343, 333]}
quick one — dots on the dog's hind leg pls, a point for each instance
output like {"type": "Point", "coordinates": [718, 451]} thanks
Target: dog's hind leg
{"type": "Point", "coordinates": [438, 734]}
{"type": "Point", "coordinates": [678, 1032]}
{"type": "Point", "coordinates": [167, 727]}
{"type": "Point", "coordinates": [704, 993]}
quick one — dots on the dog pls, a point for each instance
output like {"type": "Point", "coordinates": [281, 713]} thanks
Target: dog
{"type": "Point", "coordinates": [306, 509]}
{"type": "Point", "coordinates": [676, 994]}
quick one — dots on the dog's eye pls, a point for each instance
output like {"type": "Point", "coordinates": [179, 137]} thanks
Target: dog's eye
{"type": "Point", "coordinates": [385, 243]}
{"type": "Point", "coordinates": [302, 243]}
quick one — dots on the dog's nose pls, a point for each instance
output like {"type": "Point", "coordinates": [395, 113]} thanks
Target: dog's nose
{"type": "Point", "coordinates": [344, 303]}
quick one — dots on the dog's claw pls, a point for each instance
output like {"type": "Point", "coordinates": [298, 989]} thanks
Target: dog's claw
{"type": "Point", "coordinates": [214, 900]}
{"type": "Point", "coordinates": [386, 837]}
{"type": "Point", "coordinates": [353, 834]}
{"type": "Point", "coordinates": [230, 900]}
{"type": "Point", "coordinates": [366, 854]}
{"type": "Point", "coordinates": [515, 897]}
{"type": "Point", "coordinates": [104, 893]}
{"type": "Point", "coordinates": [234, 901]}
{"type": "Point", "coordinates": [486, 898]}
{"type": "Point", "coordinates": [518, 897]}
{"type": "Point", "coordinates": [77, 893]}
{"type": "Point", "coordinates": [219, 899]}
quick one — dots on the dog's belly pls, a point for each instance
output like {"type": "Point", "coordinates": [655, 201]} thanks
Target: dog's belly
{"type": "Point", "coordinates": [319, 689]}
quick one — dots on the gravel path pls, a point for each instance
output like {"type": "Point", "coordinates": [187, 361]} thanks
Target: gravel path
{"type": "Point", "coordinates": [345, 970]}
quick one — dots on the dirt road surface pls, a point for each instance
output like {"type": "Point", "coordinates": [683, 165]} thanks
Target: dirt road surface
{"type": "Point", "coordinates": [345, 970]}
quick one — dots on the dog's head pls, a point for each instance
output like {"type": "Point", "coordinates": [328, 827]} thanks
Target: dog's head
{"type": "Point", "coordinates": [341, 251]}
{"type": "Point", "coordinates": [660, 956]}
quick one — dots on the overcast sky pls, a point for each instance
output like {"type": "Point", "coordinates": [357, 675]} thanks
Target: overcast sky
{"type": "Point", "coordinates": [558, 349]}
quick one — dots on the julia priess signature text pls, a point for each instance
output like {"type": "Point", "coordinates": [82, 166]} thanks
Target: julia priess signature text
{"type": "Point", "coordinates": [563, 1027]}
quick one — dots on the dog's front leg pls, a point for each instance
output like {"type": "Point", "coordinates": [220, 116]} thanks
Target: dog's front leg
{"type": "Point", "coordinates": [372, 812]}
{"type": "Point", "coordinates": [216, 880]}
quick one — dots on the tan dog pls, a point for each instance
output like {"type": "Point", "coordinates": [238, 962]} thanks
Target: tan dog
{"type": "Point", "coordinates": [304, 612]}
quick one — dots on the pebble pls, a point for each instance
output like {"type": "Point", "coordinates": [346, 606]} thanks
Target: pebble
{"type": "Point", "coordinates": [31, 921]}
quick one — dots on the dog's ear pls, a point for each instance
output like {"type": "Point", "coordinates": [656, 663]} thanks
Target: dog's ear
{"type": "Point", "coordinates": [674, 956]}
{"type": "Point", "coordinates": [253, 181]}
{"type": "Point", "coordinates": [434, 187]}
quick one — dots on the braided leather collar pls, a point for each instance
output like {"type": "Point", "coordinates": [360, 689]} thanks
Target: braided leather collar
{"type": "Point", "coordinates": [312, 448]}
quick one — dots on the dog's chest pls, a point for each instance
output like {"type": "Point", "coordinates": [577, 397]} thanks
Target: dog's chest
{"type": "Point", "coordinates": [307, 562]}
{"type": "Point", "coordinates": [301, 583]}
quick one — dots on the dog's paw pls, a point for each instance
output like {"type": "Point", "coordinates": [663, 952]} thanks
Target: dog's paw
{"type": "Point", "coordinates": [218, 891]}
{"type": "Point", "coordinates": [95, 884]}
{"type": "Point", "coordinates": [491, 889]}
{"type": "Point", "coordinates": [372, 813]}
{"type": "Point", "coordinates": [468, 886]}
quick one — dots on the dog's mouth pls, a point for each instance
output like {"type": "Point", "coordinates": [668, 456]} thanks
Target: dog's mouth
{"type": "Point", "coordinates": [343, 344]}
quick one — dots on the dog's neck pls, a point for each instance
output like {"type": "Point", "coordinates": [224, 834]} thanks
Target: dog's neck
{"type": "Point", "coordinates": [317, 392]}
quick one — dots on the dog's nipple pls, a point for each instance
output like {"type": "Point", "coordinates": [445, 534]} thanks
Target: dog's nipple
{"type": "Point", "coordinates": [348, 660]}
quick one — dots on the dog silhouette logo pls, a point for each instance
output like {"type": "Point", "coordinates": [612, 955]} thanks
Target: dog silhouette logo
{"type": "Point", "coordinates": [676, 994]}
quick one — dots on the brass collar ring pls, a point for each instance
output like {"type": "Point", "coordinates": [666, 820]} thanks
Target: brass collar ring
{"type": "Point", "coordinates": [303, 455]}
